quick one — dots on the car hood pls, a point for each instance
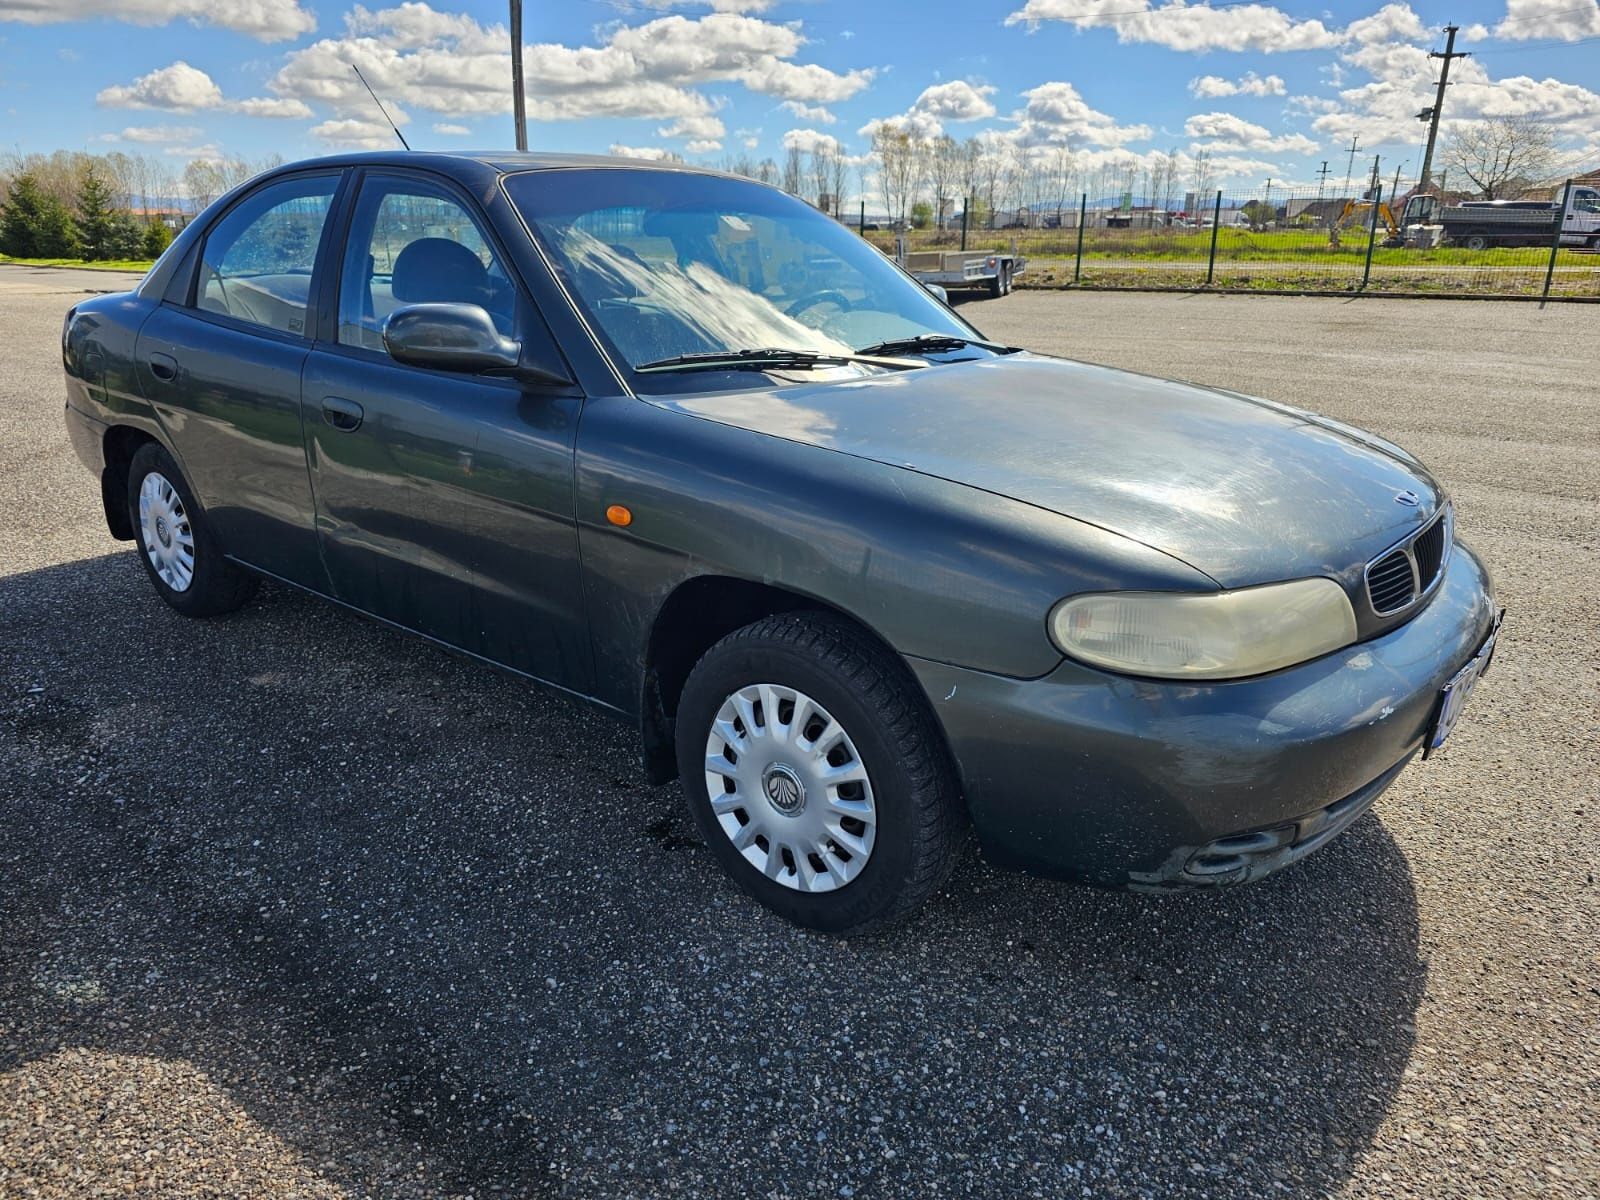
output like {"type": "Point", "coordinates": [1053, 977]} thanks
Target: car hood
{"type": "Point", "coordinates": [1242, 489]}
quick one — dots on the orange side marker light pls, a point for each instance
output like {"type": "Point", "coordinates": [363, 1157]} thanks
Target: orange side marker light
{"type": "Point", "coordinates": [619, 515]}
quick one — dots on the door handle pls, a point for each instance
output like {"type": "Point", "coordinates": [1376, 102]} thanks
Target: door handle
{"type": "Point", "coordinates": [164, 367]}
{"type": "Point", "coordinates": [343, 415]}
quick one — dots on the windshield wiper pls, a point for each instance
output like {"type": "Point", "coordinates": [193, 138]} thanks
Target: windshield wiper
{"type": "Point", "coordinates": [925, 342]}
{"type": "Point", "coordinates": [770, 358]}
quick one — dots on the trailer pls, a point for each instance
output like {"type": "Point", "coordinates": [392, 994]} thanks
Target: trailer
{"type": "Point", "coordinates": [1482, 224]}
{"type": "Point", "coordinates": [993, 271]}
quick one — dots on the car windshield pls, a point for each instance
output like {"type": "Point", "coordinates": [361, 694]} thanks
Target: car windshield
{"type": "Point", "coordinates": [667, 264]}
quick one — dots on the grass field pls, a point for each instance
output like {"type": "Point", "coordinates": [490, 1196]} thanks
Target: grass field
{"type": "Point", "coordinates": [112, 264]}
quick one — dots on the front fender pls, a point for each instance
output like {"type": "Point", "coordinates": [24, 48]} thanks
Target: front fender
{"type": "Point", "coordinates": [937, 570]}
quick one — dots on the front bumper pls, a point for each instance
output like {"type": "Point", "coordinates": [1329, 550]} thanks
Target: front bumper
{"type": "Point", "coordinates": [1133, 782]}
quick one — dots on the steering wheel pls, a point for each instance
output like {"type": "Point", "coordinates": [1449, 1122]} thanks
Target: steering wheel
{"type": "Point", "coordinates": [827, 296]}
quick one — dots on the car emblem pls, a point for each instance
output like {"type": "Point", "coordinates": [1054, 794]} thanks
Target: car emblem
{"type": "Point", "coordinates": [784, 789]}
{"type": "Point", "coordinates": [1409, 498]}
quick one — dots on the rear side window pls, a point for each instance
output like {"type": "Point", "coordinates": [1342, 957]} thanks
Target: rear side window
{"type": "Point", "coordinates": [258, 259]}
{"type": "Point", "coordinates": [412, 242]}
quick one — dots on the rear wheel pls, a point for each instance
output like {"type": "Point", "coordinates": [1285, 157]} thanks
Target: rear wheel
{"type": "Point", "coordinates": [815, 773]}
{"type": "Point", "coordinates": [176, 544]}
{"type": "Point", "coordinates": [1476, 241]}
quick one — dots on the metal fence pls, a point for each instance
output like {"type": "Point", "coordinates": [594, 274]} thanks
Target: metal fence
{"type": "Point", "coordinates": [1268, 240]}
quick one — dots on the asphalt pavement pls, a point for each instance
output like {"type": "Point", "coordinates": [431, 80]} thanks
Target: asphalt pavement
{"type": "Point", "coordinates": [292, 905]}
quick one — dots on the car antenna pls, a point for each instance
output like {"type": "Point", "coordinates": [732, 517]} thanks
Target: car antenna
{"type": "Point", "coordinates": [381, 108]}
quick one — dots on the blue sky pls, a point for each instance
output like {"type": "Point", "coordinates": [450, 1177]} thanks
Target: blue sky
{"type": "Point", "coordinates": [1269, 90]}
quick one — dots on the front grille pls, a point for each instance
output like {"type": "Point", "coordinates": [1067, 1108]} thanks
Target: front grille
{"type": "Point", "coordinates": [1429, 551]}
{"type": "Point", "coordinates": [1390, 582]}
{"type": "Point", "coordinates": [1402, 575]}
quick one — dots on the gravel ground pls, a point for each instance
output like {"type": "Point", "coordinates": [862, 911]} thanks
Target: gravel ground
{"type": "Point", "coordinates": [294, 906]}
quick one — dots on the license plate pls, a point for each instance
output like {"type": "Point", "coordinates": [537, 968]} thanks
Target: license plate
{"type": "Point", "coordinates": [1453, 697]}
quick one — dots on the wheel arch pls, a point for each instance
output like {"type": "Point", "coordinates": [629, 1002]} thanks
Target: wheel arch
{"type": "Point", "coordinates": [120, 444]}
{"type": "Point", "coordinates": [697, 614]}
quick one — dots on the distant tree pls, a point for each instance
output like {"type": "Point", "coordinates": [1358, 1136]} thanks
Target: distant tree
{"type": "Point", "coordinates": [96, 220]}
{"type": "Point", "coordinates": [1200, 176]}
{"type": "Point", "coordinates": [126, 238]}
{"type": "Point", "coordinates": [157, 237]}
{"type": "Point", "coordinates": [35, 225]}
{"type": "Point", "coordinates": [794, 171]}
{"type": "Point", "coordinates": [921, 215]}
{"type": "Point", "coordinates": [1502, 155]}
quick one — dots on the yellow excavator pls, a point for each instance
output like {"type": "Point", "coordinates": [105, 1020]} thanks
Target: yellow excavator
{"type": "Point", "coordinates": [1353, 208]}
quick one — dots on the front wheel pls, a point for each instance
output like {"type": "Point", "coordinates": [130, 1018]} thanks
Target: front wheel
{"type": "Point", "coordinates": [814, 771]}
{"type": "Point", "coordinates": [176, 544]}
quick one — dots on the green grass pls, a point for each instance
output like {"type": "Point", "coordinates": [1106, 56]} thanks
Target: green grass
{"type": "Point", "coordinates": [114, 264]}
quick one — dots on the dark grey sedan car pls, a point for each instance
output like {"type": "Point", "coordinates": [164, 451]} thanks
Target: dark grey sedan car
{"type": "Point", "coordinates": [680, 445]}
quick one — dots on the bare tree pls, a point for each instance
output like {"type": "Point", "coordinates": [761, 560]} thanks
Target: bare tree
{"type": "Point", "coordinates": [821, 173]}
{"type": "Point", "coordinates": [794, 171]}
{"type": "Point", "coordinates": [838, 177]}
{"type": "Point", "coordinates": [1502, 156]}
{"type": "Point", "coordinates": [1200, 173]}
{"type": "Point", "coordinates": [1063, 171]}
{"type": "Point", "coordinates": [767, 171]}
{"type": "Point", "coordinates": [897, 168]}
{"type": "Point", "coordinates": [944, 174]}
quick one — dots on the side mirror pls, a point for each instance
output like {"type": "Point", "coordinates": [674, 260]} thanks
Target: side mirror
{"type": "Point", "coordinates": [938, 293]}
{"type": "Point", "coordinates": [457, 337]}
{"type": "Point", "coordinates": [448, 337]}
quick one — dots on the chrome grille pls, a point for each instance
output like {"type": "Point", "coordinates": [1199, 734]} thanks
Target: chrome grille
{"type": "Point", "coordinates": [1407, 572]}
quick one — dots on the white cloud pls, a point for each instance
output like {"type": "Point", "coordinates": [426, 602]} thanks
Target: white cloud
{"type": "Point", "coordinates": [156, 133]}
{"type": "Point", "coordinates": [450, 129]}
{"type": "Point", "coordinates": [451, 63]}
{"type": "Point", "coordinates": [817, 113]}
{"type": "Point", "coordinates": [809, 141]}
{"type": "Point", "coordinates": [1250, 84]}
{"type": "Point", "coordinates": [1055, 114]}
{"type": "Point", "coordinates": [182, 88]}
{"type": "Point", "coordinates": [178, 88]}
{"type": "Point", "coordinates": [1223, 131]}
{"type": "Point", "coordinates": [1568, 20]}
{"type": "Point", "coordinates": [209, 150]}
{"type": "Point", "coordinates": [357, 134]}
{"type": "Point", "coordinates": [652, 153]}
{"type": "Point", "coordinates": [268, 20]}
{"type": "Point", "coordinates": [269, 106]}
{"type": "Point", "coordinates": [703, 146]}
{"type": "Point", "coordinates": [700, 128]}
{"type": "Point", "coordinates": [1391, 23]}
{"type": "Point", "coordinates": [1181, 26]}
{"type": "Point", "coordinates": [957, 100]}
{"type": "Point", "coordinates": [732, 6]}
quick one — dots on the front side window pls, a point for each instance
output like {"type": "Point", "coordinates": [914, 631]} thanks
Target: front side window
{"type": "Point", "coordinates": [411, 242]}
{"type": "Point", "coordinates": [258, 258]}
{"type": "Point", "coordinates": [671, 263]}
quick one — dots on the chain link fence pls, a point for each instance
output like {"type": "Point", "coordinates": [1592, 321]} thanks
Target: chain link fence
{"type": "Point", "coordinates": [1273, 240]}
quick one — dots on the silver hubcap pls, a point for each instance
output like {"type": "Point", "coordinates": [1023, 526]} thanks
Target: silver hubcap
{"type": "Point", "coordinates": [789, 789]}
{"type": "Point", "coordinates": [165, 532]}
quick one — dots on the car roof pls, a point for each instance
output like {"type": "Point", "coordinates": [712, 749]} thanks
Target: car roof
{"type": "Point", "coordinates": [500, 161]}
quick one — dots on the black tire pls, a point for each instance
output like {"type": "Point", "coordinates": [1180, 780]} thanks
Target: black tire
{"type": "Point", "coordinates": [997, 285]}
{"type": "Point", "coordinates": [1477, 241]}
{"type": "Point", "coordinates": [216, 586]}
{"type": "Point", "coordinates": [919, 826]}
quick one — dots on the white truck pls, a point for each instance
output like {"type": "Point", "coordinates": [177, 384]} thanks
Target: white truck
{"type": "Point", "coordinates": [1480, 224]}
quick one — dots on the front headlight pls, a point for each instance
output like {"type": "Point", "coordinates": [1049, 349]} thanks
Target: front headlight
{"type": "Point", "coordinates": [1206, 635]}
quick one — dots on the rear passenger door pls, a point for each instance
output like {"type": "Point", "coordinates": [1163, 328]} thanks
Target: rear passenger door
{"type": "Point", "coordinates": [221, 359]}
{"type": "Point", "coordinates": [444, 500]}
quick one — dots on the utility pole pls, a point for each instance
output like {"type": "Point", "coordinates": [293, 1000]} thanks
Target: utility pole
{"type": "Point", "coordinates": [1432, 115]}
{"type": "Point", "coordinates": [1372, 187]}
{"type": "Point", "coordinates": [1322, 180]}
{"type": "Point", "coordinates": [1350, 166]}
{"type": "Point", "coordinates": [518, 107]}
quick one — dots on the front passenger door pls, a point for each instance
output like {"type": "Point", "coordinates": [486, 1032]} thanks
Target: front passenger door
{"type": "Point", "coordinates": [444, 500]}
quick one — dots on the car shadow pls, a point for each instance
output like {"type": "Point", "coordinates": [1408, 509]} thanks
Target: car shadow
{"type": "Point", "coordinates": [426, 927]}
